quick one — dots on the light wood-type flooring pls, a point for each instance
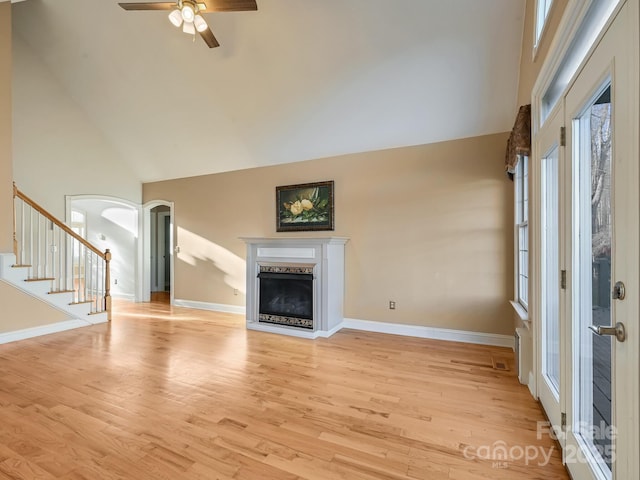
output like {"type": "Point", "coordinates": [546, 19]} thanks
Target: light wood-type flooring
{"type": "Point", "coordinates": [166, 393]}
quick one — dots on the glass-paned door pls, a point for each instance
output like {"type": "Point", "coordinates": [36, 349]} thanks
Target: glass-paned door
{"type": "Point", "coordinates": [592, 244]}
{"type": "Point", "coordinates": [600, 386]}
{"type": "Point", "coordinates": [550, 174]}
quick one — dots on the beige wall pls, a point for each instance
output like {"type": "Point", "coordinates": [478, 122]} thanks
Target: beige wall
{"type": "Point", "coordinates": [6, 172]}
{"type": "Point", "coordinates": [530, 66]}
{"type": "Point", "coordinates": [20, 310]}
{"type": "Point", "coordinates": [430, 228]}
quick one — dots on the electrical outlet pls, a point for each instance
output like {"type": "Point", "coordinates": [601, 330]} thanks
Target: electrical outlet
{"type": "Point", "coordinates": [115, 281]}
{"type": "Point", "coordinates": [392, 305]}
{"type": "Point", "coordinates": [235, 291]}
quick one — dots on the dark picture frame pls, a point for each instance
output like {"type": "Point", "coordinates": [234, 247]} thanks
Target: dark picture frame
{"type": "Point", "coordinates": [305, 207]}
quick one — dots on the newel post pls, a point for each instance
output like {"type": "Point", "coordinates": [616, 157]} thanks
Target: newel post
{"type": "Point", "coordinates": [15, 238]}
{"type": "Point", "coordinates": [107, 284]}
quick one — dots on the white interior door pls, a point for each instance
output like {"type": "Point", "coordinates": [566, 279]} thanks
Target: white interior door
{"type": "Point", "coordinates": [600, 388]}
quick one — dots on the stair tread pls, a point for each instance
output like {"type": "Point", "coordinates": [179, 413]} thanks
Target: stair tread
{"type": "Point", "coordinates": [53, 292]}
{"type": "Point", "coordinates": [81, 303]}
{"type": "Point", "coordinates": [39, 279]}
{"type": "Point", "coordinates": [19, 265]}
{"type": "Point", "coordinates": [97, 313]}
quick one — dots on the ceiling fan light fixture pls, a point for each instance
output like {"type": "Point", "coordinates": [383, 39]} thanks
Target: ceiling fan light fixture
{"type": "Point", "coordinates": [200, 24]}
{"type": "Point", "coordinates": [188, 13]}
{"type": "Point", "coordinates": [188, 27]}
{"type": "Point", "coordinates": [175, 18]}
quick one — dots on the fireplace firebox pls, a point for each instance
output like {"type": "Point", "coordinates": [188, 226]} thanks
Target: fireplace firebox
{"type": "Point", "coordinates": [286, 296]}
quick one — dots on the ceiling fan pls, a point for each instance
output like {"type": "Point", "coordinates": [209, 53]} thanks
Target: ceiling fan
{"type": "Point", "coordinates": [187, 13]}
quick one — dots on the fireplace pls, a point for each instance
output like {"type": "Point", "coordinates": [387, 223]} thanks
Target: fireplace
{"type": "Point", "coordinates": [295, 286]}
{"type": "Point", "coordinates": [286, 295]}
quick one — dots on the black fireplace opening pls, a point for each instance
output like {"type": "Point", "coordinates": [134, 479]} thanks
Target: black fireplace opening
{"type": "Point", "coordinates": [286, 298]}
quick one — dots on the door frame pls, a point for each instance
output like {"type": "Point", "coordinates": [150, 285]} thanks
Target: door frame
{"type": "Point", "coordinates": [146, 253]}
{"type": "Point", "coordinates": [540, 149]}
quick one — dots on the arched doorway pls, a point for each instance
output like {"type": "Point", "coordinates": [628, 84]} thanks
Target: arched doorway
{"type": "Point", "coordinates": [111, 223]}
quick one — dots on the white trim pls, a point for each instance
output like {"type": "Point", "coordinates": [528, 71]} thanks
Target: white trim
{"type": "Point", "coordinates": [532, 385]}
{"type": "Point", "coordinates": [573, 19]}
{"type": "Point", "coordinates": [418, 331]}
{"type": "Point", "coordinates": [283, 252]}
{"type": "Point", "coordinates": [124, 296]}
{"type": "Point", "coordinates": [48, 329]}
{"type": "Point", "coordinates": [434, 333]}
{"type": "Point", "coordinates": [520, 311]}
{"type": "Point", "coordinates": [214, 307]}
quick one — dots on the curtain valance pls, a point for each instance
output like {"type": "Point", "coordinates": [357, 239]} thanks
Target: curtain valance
{"type": "Point", "coordinates": [519, 143]}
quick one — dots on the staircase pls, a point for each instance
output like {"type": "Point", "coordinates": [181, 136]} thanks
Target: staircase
{"type": "Point", "coordinates": [53, 263]}
{"type": "Point", "coordinates": [42, 288]}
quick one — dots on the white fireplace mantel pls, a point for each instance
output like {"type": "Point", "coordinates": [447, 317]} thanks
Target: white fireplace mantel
{"type": "Point", "coordinates": [325, 255]}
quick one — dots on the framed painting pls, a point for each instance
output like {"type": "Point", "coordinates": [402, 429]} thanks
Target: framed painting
{"type": "Point", "coordinates": [305, 207]}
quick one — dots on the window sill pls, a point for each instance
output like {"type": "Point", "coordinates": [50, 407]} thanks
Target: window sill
{"type": "Point", "coordinates": [521, 312]}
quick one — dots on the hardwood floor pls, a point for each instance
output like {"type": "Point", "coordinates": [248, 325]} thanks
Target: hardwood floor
{"type": "Point", "coordinates": [168, 394]}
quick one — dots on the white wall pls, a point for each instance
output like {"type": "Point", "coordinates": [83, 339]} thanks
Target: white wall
{"type": "Point", "coordinates": [114, 226]}
{"type": "Point", "coordinates": [57, 150]}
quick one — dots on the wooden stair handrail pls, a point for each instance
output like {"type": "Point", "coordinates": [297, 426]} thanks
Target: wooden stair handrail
{"type": "Point", "coordinates": [106, 255]}
{"type": "Point", "coordinates": [51, 218]}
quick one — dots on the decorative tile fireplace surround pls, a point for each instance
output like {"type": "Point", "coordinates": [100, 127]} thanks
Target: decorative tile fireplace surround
{"type": "Point", "coordinates": [315, 266]}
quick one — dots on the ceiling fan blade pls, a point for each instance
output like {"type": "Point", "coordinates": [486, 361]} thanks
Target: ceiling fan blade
{"type": "Point", "coordinates": [228, 5]}
{"type": "Point", "coordinates": [209, 38]}
{"type": "Point", "coordinates": [149, 6]}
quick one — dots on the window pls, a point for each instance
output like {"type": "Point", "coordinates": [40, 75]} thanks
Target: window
{"type": "Point", "coordinates": [79, 226]}
{"type": "Point", "coordinates": [542, 12]}
{"type": "Point", "coordinates": [522, 231]}
{"type": "Point", "coordinates": [79, 222]}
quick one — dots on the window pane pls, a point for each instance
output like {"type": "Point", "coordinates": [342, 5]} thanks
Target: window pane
{"type": "Point", "coordinates": [525, 189]}
{"type": "Point", "coordinates": [77, 217]}
{"type": "Point", "coordinates": [550, 273]}
{"type": "Point", "coordinates": [522, 189]}
{"type": "Point", "coordinates": [543, 7]}
{"type": "Point", "coordinates": [523, 264]}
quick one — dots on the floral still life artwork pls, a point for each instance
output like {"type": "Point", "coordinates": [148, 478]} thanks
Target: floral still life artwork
{"type": "Point", "coordinates": [307, 206]}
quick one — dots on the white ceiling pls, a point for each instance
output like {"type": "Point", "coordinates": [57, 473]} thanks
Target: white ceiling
{"type": "Point", "coordinates": [296, 80]}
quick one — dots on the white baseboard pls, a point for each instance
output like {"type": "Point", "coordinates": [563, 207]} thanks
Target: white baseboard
{"type": "Point", "coordinates": [41, 330]}
{"type": "Point", "coordinates": [328, 333]}
{"type": "Point", "coordinates": [124, 296]}
{"type": "Point", "coordinates": [532, 385]}
{"type": "Point", "coordinates": [430, 332]}
{"type": "Point", "coordinates": [214, 307]}
{"type": "Point", "coordinates": [419, 331]}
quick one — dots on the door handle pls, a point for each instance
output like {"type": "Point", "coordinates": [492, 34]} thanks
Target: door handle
{"type": "Point", "coordinates": [618, 331]}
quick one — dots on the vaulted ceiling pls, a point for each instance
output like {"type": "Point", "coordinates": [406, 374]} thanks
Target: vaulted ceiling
{"type": "Point", "coordinates": [296, 80]}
